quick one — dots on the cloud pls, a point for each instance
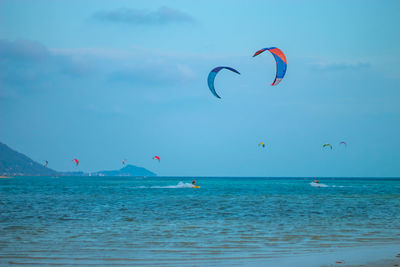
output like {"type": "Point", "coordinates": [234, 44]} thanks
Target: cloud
{"type": "Point", "coordinates": [137, 65]}
{"type": "Point", "coordinates": [28, 66]}
{"type": "Point", "coordinates": [22, 50]}
{"type": "Point", "coordinates": [163, 15]}
{"type": "Point", "coordinates": [153, 73]}
{"type": "Point", "coordinates": [322, 66]}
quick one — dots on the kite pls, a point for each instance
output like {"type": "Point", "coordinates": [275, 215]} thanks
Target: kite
{"type": "Point", "coordinates": [76, 161]}
{"type": "Point", "coordinates": [261, 144]}
{"type": "Point", "coordinates": [211, 78]}
{"type": "Point", "coordinates": [325, 145]}
{"type": "Point", "coordinates": [281, 63]}
{"type": "Point", "coordinates": [343, 143]}
{"type": "Point", "coordinates": [157, 158]}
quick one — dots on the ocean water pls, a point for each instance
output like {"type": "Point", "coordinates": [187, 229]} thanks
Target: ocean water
{"type": "Point", "coordinates": [163, 221]}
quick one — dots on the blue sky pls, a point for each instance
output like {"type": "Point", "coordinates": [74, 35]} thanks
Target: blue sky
{"type": "Point", "coordinates": [108, 80]}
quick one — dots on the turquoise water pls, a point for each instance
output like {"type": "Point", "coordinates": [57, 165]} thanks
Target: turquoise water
{"type": "Point", "coordinates": [162, 221]}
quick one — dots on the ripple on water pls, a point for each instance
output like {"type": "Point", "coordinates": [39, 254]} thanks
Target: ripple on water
{"type": "Point", "coordinates": [90, 221]}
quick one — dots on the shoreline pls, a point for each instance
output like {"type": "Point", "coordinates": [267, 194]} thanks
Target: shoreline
{"type": "Point", "coordinates": [383, 255]}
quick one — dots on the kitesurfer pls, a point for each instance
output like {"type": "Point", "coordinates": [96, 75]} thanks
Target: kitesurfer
{"type": "Point", "coordinates": [194, 182]}
{"type": "Point", "coordinates": [317, 182]}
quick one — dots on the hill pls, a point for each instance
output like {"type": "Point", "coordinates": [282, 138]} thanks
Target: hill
{"type": "Point", "coordinates": [13, 163]}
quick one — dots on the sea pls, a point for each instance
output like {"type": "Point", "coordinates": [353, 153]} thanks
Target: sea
{"type": "Point", "coordinates": [163, 221]}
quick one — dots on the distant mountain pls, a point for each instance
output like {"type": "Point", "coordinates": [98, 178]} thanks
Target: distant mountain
{"type": "Point", "coordinates": [13, 163]}
{"type": "Point", "coordinates": [129, 170]}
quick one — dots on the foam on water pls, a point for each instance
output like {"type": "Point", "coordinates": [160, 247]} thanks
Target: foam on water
{"type": "Point", "coordinates": [318, 184]}
{"type": "Point", "coordinates": [325, 185]}
{"type": "Point", "coordinates": [179, 185]}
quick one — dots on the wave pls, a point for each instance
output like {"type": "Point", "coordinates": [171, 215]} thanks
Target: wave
{"type": "Point", "coordinates": [179, 185]}
{"type": "Point", "coordinates": [325, 185]}
{"type": "Point", "coordinates": [318, 184]}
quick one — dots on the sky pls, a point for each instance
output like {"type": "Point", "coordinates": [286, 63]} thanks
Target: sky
{"type": "Point", "coordinates": [104, 81]}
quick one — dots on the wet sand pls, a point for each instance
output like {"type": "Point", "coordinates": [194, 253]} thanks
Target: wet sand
{"type": "Point", "coordinates": [374, 256]}
{"type": "Point", "coordinates": [382, 263]}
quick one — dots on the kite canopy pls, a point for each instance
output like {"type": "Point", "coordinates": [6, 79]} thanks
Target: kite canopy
{"type": "Point", "coordinates": [343, 143]}
{"type": "Point", "coordinates": [281, 63]}
{"type": "Point", "coordinates": [76, 161]}
{"type": "Point", "coordinates": [211, 78]}
{"type": "Point", "coordinates": [261, 144]}
{"type": "Point", "coordinates": [325, 145]}
{"type": "Point", "coordinates": [157, 158]}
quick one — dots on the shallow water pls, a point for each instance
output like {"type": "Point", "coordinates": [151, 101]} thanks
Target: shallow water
{"type": "Point", "coordinates": [140, 221]}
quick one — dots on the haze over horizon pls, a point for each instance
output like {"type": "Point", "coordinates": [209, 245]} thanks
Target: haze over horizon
{"type": "Point", "coordinates": [104, 81]}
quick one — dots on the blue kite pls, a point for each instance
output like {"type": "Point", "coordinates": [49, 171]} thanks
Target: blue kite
{"type": "Point", "coordinates": [211, 78]}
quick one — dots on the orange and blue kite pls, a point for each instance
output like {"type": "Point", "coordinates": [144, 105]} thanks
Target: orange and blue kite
{"type": "Point", "coordinates": [281, 63]}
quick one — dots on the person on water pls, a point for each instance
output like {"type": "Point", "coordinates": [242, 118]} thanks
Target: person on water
{"type": "Point", "coordinates": [316, 181]}
{"type": "Point", "coordinates": [194, 182]}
